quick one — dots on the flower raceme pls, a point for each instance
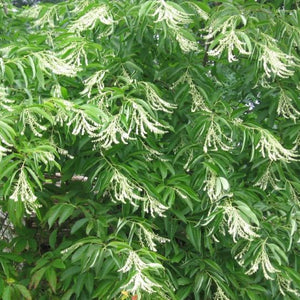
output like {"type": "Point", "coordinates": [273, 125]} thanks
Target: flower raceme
{"type": "Point", "coordinates": [139, 281]}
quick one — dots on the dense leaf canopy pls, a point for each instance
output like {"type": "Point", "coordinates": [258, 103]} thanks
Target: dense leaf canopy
{"type": "Point", "coordinates": [150, 150]}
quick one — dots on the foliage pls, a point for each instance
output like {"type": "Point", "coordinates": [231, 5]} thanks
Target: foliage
{"type": "Point", "coordinates": [150, 150]}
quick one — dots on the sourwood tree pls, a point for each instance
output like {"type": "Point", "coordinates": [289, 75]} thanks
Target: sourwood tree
{"type": "Point", "coordinates": [150, 150]}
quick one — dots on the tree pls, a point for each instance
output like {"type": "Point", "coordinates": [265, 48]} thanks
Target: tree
{"type": "Point", "coordinates": [150, 150]}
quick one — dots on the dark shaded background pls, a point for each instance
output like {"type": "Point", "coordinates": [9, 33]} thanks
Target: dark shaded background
{"type": "Point", "coordinates": [31, 2]}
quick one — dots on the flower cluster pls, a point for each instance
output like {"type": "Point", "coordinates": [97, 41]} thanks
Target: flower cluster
{"type": "Point", "coordinates": [4, 146]}
{"type": "Point", "coordinates": [32, 12]}
{"type": "Point", "coordinates": [295, 195]}
{"type": "Point", "coordinates": [2, 66]}
{"type": "Point", "coordinates": [230, 41]}
{"type": "Point", "coordinates": [96, 79]}
{"type": "Point", "coordinates": [47, 18]}
{"type": "Point", "coordinates": [219, 294]}
{"type": "Point", "coordinates": [111, 132]}
{"type": "Point", "coordinates": [40, 155]}
{"type": "Point", "coordinates": [174, 18]}
{"type": "Point", "coordinates": [237, 226]}
{"type": "Point", "coordinates": [211, 186]}
{"type": "Point", "coordinates": [91, 19]}
{"type": "Point", "coordinates": [152, 206]}
{"type": "Point", "coordinates": [284, 285]}
{"type": "Point", "coordinates": [229, 38]}
{"type": "Point", "coordinates": [215, 138]}
{"type": "Point", "coordinates": [269, 146]}
{"type": "Point", "coordinates": [80, 5]}
{"type": "Point", "coordinates": [286, 108]}
{"type": "Point", "coordinates": [63, 107]}
{"type": "Point", "coordinates": [204, 15]}
{"type": "Point", "coordinates": [56, 91]}
{"type": "Point", "coordinates": [126, 190]}
{"type": "Point", "coordinates": [152, 153]}
{"type": "Point", "coordinates": [83, 124]}
{"type": "Point", "coordinates": [140, 119]}
{"type": "Point", "coordinates": [273, 60]}
{"type": "Point", "coordinates": [267, 178]}
{"type": "Point", "coordinates": [23, 191]}
{"type": "Point", "coordinates": [139, 281]}
{"type": "Point", "coordinates": [49, 62]}
{"type": "Point", "coordinates": [197, 98]}
{"type": "Point", "coordinates": [149, 237]}
{"type": "Point", "coordinates": [4, 101]}
{"type": "Point", "coordinates": [74, 52]}
{"type": "Point", "coordinates": [262, 259]}
{"type": "Point", "coordinates": [29, 118]}
{"type": "Point", "coordinates": [155, 101]}
{"type": "Point", "coordinates": [186, 44]}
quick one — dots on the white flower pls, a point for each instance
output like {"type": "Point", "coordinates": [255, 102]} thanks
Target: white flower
{"type": "Point", "coordinates": [30, 118]}
{"type": "Point", "coordinates": [273, 60]}
{"type": "Point", "coordinates": [4, 146]}
{"type": "Point", "coordinates": [48, 62]}
{"type": "Point", "coordinates": [284, 285]}
{"type": "Point", "coordinates": [84, 124]}
{"type": "Point", "coordinates": [215, 138]}
{"type": "Point", "coordinates": [47, 18]}
{"type": "Point", "coordinates": [186, 44]}
{"type": "Point", "coordinates": [276, 62]}
{"type": "Point", "coordinates": [230, 41]}
{"type": "Point", "coordinates": [111, 132]}
{"type": "Point", "coordinates": [229, 38]}
{"type": "Point", "coordinates": [267, 178]}
{"type": "Point", "coordinates": [152, 152]}
{"type": "Point", "coordinates": [149, 237]}
{"type": "Point", "coordinates": [32, 12]}
{"type": "Point", "coordinates": [262, 259]}
{"type": "Point", "coordinates": [56, 91]}
{"type": "Point", "coordinates": [210, 186]}
{"type": "Point", "coordinates": [127, 190]}
{"type": "Point", "coordinates": [2, 66]}
{"type": "Point", "coordinates": [124, 189]}
{"type": "Point", "coordinates": [152, 206]}
{"type": "Point", "coordinates": [173, 17]}
{"type": "Point", "coordinates": [286, 107]}
{"type": "Point", "coordinates": [80, 5]}
{"type": "Point", "coordinates": [197, 98]}
{"type": "Point", "coordinates": [74, 52]}
{"type": "Point", "coordinates": [269, 146]}
{"type": "Point", "coordinates": [133, 261]}
{"type": "Point", "coordinates": [90, 19]}
{"type": "Point", "coordinates": [24, 192]}
{"type": "Point", "coordinates": [237, 226]}
{"type": "Point", "coordinates": [96, 79]}
{"type": "Point", "coordinates": [219, 294]}
{"type": "Point", "coordinates": [140, 119]}
{"type": "Point", "coordinates": [295, 195]}
{"type": "Point", "coordinates": [155, 101]}
{"type": "Point", "coordinates": [200, 11]}
{"type": "Point", "coordinates": [139, 281]}
{"type": "Point", "coordinates": [4, 101]}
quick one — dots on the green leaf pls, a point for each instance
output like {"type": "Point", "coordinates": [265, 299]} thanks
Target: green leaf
{"type": "Point", "coordinates": [52, 239]}
{"type": "Point", "coordinates": [37, 276]}
{"type": "Point", "coordinates": [7, 293]}
{"type": "Point", "coordinates": [78, 224]}
{"type": "Point", "coordinates": [66, 212]}
{"type": "Point", "coordinates": [51, 278]}
{"type": "Point", "coordinates": [24, 291]}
